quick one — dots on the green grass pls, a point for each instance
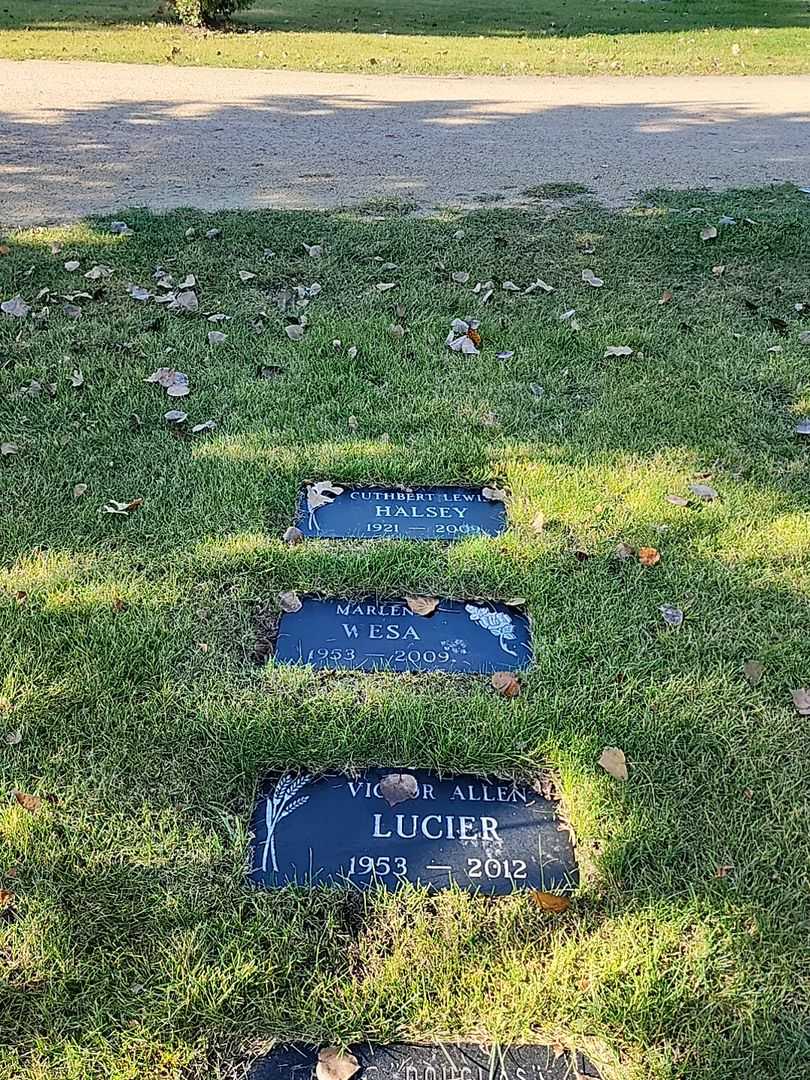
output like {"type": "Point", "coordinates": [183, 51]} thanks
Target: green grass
{"type": "Point", "coordinates": [565, 190]}
{"type": "Point", "coordinates": [137, 950]}
{"type": "Point", "coordinates": [431, 36]}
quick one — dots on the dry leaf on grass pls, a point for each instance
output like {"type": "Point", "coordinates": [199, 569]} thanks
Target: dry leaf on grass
{"type": "Point", "coordinates": [16, 307]}
{"type": "Point", "coordinates": [801, 699]}
{"type": "Point", "coordinates": [753, 671]}
{"type": "Point", "coordinates": [334, 1064]}
{"type": "Point", "coordinates": [590, 278]}
{"type": "Point", "coordinates": [76, 378]}
{"type": "Point", "coordinates": [289, 601]}
{"type": "Point", "coordinates": [672, 616]}
{"type": "Point", "coordinates": [216, 337]}
{"type": "Point", "coordinates": [803, 427]}
{"type": "Point", "coordinates": [185, 301]}
{"type": "Point", "coordinates": [461, 277]}
{"type": "Point", "coordinates": [550, 902]}
{"type": "Point", "coordinates": [649, 556]}
{"type": "Point", "coordinates": [14, 738]}
{"type": "Point", "coordinates": [617, 350]}
{"type": "Point", "coordinates": [313, 250]}
{"type": "Point", "coordinates": [31, 803]}
{"type": "Point", "coordinates": [6, 899]}
{"type": "Point", "coordinates": [709, 233]}
{"type": "Point", "coordinates": [398, 787]}
{"type": "Point", "coordinates": [666, 297]}
{"type": "Point", "coordinates": [624, 551]}
{"type": "Point", "coordinates": [704, 491]}
{"type": "Point", "coordinates": [677, 500]}
{"type": "Point", "coordinates": [614, 762]}
{"type": "Point", "coordinates": [246, 275]}
{"type": "Point", "coordinates": [494, 494]}
{"type": "Point", "coordinates": [79, 490]}
{"type": "Point", "coordinates": [95, 273]}
{"type": "Point", "coordinates": [123, 509]}
{"type": "Point", "coordinates": [292, 536]}
{"type": "Point", "coordinates": [422, 605]}
{"type": "Point", "coordinates": [538, 522]}
{"type": "Point", "coordinates": [294, 332]}
{"type": "Point", "coordinates": [506, 684]}
{"type": "Point", "coordinates": [8, 449]}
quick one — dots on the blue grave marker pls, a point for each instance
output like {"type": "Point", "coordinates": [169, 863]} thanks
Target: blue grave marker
{"type": "Point", "coordinates": [385, 635]}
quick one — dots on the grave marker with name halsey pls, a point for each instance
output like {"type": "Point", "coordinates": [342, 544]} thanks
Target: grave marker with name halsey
{"type": "Point", "coordinates": [384, 827]}
{"type": "Point", "coordinates": [417, 513]}
{"type": "Point", "coordinates": [442, 1061]}
{"type": "Point", "coordinates": [386, 635]}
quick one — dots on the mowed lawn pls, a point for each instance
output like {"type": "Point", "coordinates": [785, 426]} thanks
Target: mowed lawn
{"type": "Point", "coordinates": [561, 37]}
{"type": "Point", "coordinates": [131, 708]}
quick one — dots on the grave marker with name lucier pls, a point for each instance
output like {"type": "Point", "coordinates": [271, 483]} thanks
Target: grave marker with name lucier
{"type": "Point", "coordinates": [384, 827]}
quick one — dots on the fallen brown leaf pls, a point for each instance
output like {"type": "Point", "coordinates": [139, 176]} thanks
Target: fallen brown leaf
{"type": "Point", "coordinates": [398, 787]}
{"type": "Point", "coordinates": [289, 601]}
{"type": "Point", "coordinates": [704, 491]}
{"type": "Point", "coordinates": [494, 494]}
{"type": "Point", "coordinates": [753, 671]}
{"type": "Point", "coordinates": [550, 902]}
{"type": "Point", "coordinates": [614, 762]}
{"type": "Point", "coordinates": [334, 1064]}
{"type": "Point", "coordinates": [624, 551]}
{"type": "Point", "coordinates": [649, 556]}
{"type": "Point", "coordinates": [801, 699]}
{"type": "Point", "coordinates": [292, 536]}
{"type": "Point", "coordinates": [31, 803]}
{"type": "Point", "coordinates": [506, 684]}
{"type": "Point", "coordinates": [422, 605]}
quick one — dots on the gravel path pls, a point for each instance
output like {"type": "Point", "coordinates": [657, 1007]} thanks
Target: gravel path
{"type": "Point", "coordinates": [79, 138]}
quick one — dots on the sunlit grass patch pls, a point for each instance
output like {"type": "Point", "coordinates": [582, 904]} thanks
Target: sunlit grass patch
{"type": "Point", "coordinates": [144, 723]}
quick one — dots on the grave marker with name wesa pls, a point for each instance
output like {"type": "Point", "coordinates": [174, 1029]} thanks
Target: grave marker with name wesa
{"type": "Point", "coordinates": [392, 513]}
{"type": "Point", "coordinates": [442, 1061]}
{"type": "Point", "coordinates": [386, 635]}
{"type": "Point", "coordinates": [384, 827]}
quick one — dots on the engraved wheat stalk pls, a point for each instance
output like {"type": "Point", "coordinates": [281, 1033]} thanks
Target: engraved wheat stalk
{"type": "Point", "coordinates": [279, 805]}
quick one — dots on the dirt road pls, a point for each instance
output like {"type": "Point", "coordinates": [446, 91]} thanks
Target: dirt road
{"type": "Point", "coordinates": [79, 138]}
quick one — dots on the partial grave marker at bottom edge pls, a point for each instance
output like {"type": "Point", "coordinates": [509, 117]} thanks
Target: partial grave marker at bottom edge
{"type": "Point", "coordinates": [480, 834]}
{"type": "Point", "coordinates": [437, 1061]}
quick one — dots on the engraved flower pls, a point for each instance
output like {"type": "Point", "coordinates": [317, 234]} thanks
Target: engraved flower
{"type": "Point", "coordinates": [498, 623]}
{"type": "Point", "coordinates": [458, 646]}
